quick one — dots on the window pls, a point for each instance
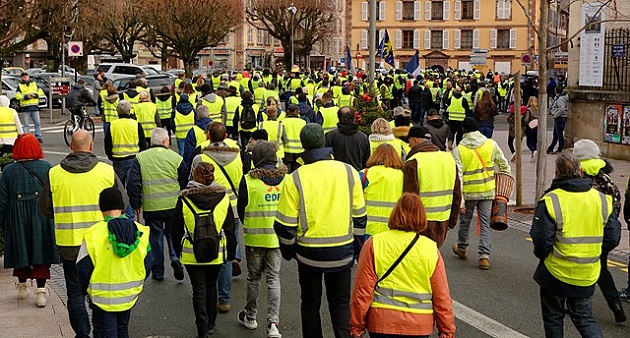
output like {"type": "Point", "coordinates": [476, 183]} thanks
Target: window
{"type": "Point", "coordinates": [250, 35]}
{"type": "Point", "coordinates": [408, 8]}
{"type": "Point", "coordinates": [407, 39]}
{"type": "Point", "coordinates": [259, 37]}
{"type": "Point", "coordinates": [503, 38]}
{"type": "Point", "coordinates": [468, 7]}
{"type": "Point", "coordinates": [504, 9]}
{"type": "Point", "coordinates": [467, 39]}
{"type": "Point", "coordinates": [436, 39]}
{"type": "Point", "coordinates": [437, 10]}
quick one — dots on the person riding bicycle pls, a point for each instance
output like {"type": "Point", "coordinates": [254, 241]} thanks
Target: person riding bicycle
{"type": "Point", "coordinates": [79, 97]}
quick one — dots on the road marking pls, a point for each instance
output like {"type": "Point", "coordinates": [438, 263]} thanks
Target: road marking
{"type": "Point", "coordinates": [66, 153]}
{"type": "Point", "coordinates": [484, 323]}
{"type": "Point", "coordinates": [59, 130]}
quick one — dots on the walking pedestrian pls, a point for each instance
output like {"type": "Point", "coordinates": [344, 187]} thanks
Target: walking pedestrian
{"type": "Point", "coordinates": [197, 134]}
{"type": "Point", "coordinates": [147, 115]}
{"type": "Point", "coordinates": [292, 126]}
{"type": "Point", "coordinates": [569, 247]}
{"type": "Point", "coordinates": [348, 143]}
{"type": "Point", "coordinates": [624, 293]}
{"type": "Point", "coordinates": [530, 124]}
{"type": "Point", "coordinates": [336, 229]}
{"type": "Point", "coordinates": [10, 126]}
{"type": "Point", "coordinates": [382, 133]}
{"type": "Point", "coordinates": [110, 106]}
{"type": "Point", "coordinates": [458, 109]}
{"type": "Point", "coordinates": [400, 261]}
{"type": "Point", "coordinates": [476, 158]}
{"type": "Point", "coordinates": [28, 95]}
{"type": "Point", "coordinates": [164, 102]}
{"type": "Point", "coordinates": [29, 236]}
{"type": "Point", "coordinates": [560, 110]}
{"type": "Point", "coordinates": [438, 129]}
{"type": "Point", "coordinates": [484, 113]}
{"type": "Point", "coordinates": [183, 121]}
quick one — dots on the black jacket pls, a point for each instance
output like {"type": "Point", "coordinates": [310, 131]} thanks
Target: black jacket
{"type": "Point", "coordinates": [414, 93]}
{"type": "Point", "coordinates": [349, 145]}
{"type": "Point", "coordinates": [543, 234]}
{"type": "Point", "coordinates": [426, 100]}
{"type": "Point", "coordinates": [79, 96]}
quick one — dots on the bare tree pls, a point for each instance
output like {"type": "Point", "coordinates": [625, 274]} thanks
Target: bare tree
{"type": "Point", "coordinates": [121, 26]}
{"type": "Point", "coordinates": [312, 20]}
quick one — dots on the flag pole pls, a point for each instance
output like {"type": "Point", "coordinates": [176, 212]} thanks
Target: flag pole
{"type": "Point", "coordinates": [372, 43]}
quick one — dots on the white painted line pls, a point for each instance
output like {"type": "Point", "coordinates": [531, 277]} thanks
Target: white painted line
{"type": "Point", "coordinates": [483, 323]}
{"type": "Point", "coordinates": [60, 131]}
{"type": "Point", "coordinates": [66, 153]}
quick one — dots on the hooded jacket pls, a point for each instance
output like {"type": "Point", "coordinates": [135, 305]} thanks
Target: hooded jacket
{"type": "Point", "coordinates": [75, 163]}
{"type": "Point", "coordinates": [560, 106]}
{"type": "Point", "coordinates": [349, 145]}
{"type": "Point", "coordinates": [131, 92]}
{"type": "Point", "coordinates": [205, 197]}
{"type": "Point", "coordinates": [268, 173]}
{"type": "Point", "coordinates": [220, 152]}
{"type": "Point", "coordinates": [164, 97]}
{"type": "Point", "coordinates": [79, 96]}
{"type": "Point", "coordinates": [191, 140]}
{"type": "Point", "coordinates": [439, 132]}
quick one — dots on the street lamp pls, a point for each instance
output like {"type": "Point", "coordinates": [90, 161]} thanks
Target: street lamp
{"type": "Point", "coordinates": [293, 11]}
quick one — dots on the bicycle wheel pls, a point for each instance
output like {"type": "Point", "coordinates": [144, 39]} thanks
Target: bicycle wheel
{"type": "Point", "coordinates": [88, 124]}
{"type": "Point", "coordinates": [68, 130]}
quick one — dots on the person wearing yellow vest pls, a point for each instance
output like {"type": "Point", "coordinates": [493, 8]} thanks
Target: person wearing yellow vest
{"type": "Point", "coordinates": [329, 112]}
{"type": "Point", "coordinates": [476, 157]}
{"type": "Point", "coordinates": [293, 125]}
{"type": "Point", "coordinates": [275, 130]}
{"type": "Point", "coordinates": [573, 224]}
{"type": "Point", "coordinates": [387, 92]}
{"type": "Point", "coordinates": [271, 92]}
{"type": "Point", "coordinates": [457, 109]}
{"type": "Point", "coordinates": [183, 121]}
{"type": "Point", "coordinates": [147, 115]}
{"type": "Point", "coordinates": [231, 104]}
{"type": "Point", "coordinates": [345, 99]}
{"type": "Point", "coordinates": [165, 103]}
{"type": "Point", "coordinates": [382, 133]}
{"type": "Point", "coordinates": [181, 78]}
{"type": "Point", "coordinates": [433, 175]}
{"type": "Point", "coordinates": [246, 117]}
{"type": "Point", "coordinates": [323, 196]}
{"type": "Point", "coordinates": [10, 126]}
{"type": "Point", "coordinates": [112, 265]}
{"type": "Point", "coordinates": [196, 135]}
{"type": "Point", "coordinates": [110, 108]}
{"type": "Point", "coordinates": [131, 95]}
{"type": "Point", "coordinates": [259, 93]}
{"type": "Point", "coordinates": [227, 160]}
{"type": "Point", "coordinates": [259, 194]}
{"type": "Point", "coordinates": [28, 94]}
{"type": "Point", "coordinates": [214, 102]}
{"type": "Point", "coordinates": [420, 277]}
{"type": "Point", "coordinates": [382, 182]}
{"type": "Point", "coordinates": [155, 179]}
{"type": "Point", "coordinates": [70, 197]}
{"type": "Point", "coordinates": [204, 198]}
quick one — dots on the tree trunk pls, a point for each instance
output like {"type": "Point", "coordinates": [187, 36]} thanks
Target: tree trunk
{"type": "Point", "coordinates": [541, 163]}
{"type": "Point", "coordinates": [188, 66]}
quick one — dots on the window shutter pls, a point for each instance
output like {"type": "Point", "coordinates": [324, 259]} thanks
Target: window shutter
{"type": "Point", "coordinates": [458, 9]}
{"type": "Point", "coordinates": [364, 11]}
{"type": "Point", "coordinates": [381, 34]}
{"type": "Point", "coordinates": [364, 39]}
{"type": "Point", "coordinates": [493, 38]}
{"type": "Point", "coordinates": [427, 10]}
{"type": "Point", "coordinates": [500, 5]}
{"type": "Point", "coordinates": [427, 39]}
{"type": "Point", "coordinates": [476, 10]}
{"type": "Point", "coordinates": [381, 7]}
{"type": "Point", "coordinates": [457, 39]}
{"type": "Point", "coordinates": [476, 38]}
{"type": "Point", "coordinates": [417, 10]}
{"type": "Point", "coordinates": [507, 9]}
{"type": "Point", "coordinates": [399, 10]}
{"type": "Point", "coordinates": [512, 38]}
{"type": "Point", "coordinates": [416, 39]}
{"type": "Point", "coordinates": [446, 10]}
{"type": "Point", "coordinates": [398, 39]}
{"type": "Point", "coordinates": [445, 40]}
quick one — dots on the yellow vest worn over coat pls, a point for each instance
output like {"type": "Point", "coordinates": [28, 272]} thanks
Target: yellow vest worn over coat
{"type": "Point", "coordinates": [385, 186]}
{"type": "Point", "coordinates": [437, 172]}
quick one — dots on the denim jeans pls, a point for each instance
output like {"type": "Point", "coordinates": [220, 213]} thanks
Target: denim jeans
{"type": "Point", "coordinates": [486, 131]}
{"type": "Point", "coordinates": [265, 260]}
{"type": "Point", "coordinates": [580, 310]}
{"type": "Point", "coordinates": [225, 273]}
{"type": "Point", "coordinates": [110, 324]}
{"type": "Point", "coordinates": [77, 312]}
{"type": "Point", "coordinates": [181, 143]}
{"type": "Point", "coordinates": [121, 167]}
{"type": "Point", "coordinates": [606, 282]}
{"type": "Point", "coordinates": [558, 134]}
{"type": "Point", "coordinates": [160, 228]}
{"type": "Point", "coordinates": [26, 118]}
{"type": "Point", "coordinates": [106, 127]}
{"type": "Point", "coordinates": [204, 286]}
{"type": "Point", "coordinates": [484, 209]}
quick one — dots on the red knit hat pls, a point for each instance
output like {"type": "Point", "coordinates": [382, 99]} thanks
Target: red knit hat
{"type": "Point", "coordinates": [27, 148]}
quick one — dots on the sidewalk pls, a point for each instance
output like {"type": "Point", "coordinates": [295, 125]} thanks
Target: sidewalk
{"type": "Point", "coordinates": [22, 318]}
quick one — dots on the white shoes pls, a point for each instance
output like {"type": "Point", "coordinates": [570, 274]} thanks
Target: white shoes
{"type": "Point", "coordinates": [533, 159]}
{"type": "Point", "coordinates": [272, 331]}
{"type": "Point", "coordinates": [22, 289]}
{"type": "Point", "coordinates": [41, 297]}
{"type": "Point", "coordinates": [249, 323]}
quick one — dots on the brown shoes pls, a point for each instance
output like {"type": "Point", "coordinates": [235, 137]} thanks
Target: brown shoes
{"type": "Point", "coordinates": [484, 263]}
{"type": "Point", "coordinates": [461, 253]}
{"type": "Point", "coordinates": [224, 307]}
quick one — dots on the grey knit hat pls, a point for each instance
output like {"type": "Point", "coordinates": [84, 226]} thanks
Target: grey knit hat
{"type": "Point", "coordinates": [586, 150]}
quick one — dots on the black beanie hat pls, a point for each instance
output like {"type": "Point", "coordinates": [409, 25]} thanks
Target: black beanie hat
{"type": "Point", "coordinates": [205, 88]}
{"type": "Point", "coordinates": [111, 199]}
{"type": "Point", "coordinates": [260, 134]}
{"type": "Point", "coordinates": [469, 125]}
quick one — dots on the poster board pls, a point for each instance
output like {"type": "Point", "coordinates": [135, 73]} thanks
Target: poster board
{"type": "Point", "coordinates": [625, 134]}
{"type": "Point", "coordinates": [613, 117]}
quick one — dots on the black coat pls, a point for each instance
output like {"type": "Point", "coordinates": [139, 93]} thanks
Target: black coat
{"type": "Point", "coordinates": [414, 93]}
{"type": "Point", "coordinates": [349, 145]}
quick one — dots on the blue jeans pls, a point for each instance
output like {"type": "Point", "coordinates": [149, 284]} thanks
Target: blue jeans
{"type": "Point", "coordinates": [580, 310]}
{"type": "Point", "coordinates": [225, 273]}
{"type": "Point", "coordinates": [110, 324]}
{"type": "Point", "coordinates": [160, 227]}
{"type": "Point", "coordinates": [105, 128]}
{"type": "Point", "coordinates": [486, 131]}
{"type": "Point", "coordinates": [121, 167]}
{"type": "Point", "coordinates": [77, 312]}
{"type": "Point", "coordinates": [26, 118]}
{"type": "Point", "coordinates": [181, 143]}
{"type": "Point", "coordinates": [558, 134]}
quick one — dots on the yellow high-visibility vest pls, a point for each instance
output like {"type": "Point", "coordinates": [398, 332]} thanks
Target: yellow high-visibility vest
{"type": "Point", "coordinates": [234, 172]}
{"type": "Point", "coordinates": [231, 104]}
{"type": "Point", "coordinates": [274, 131]}
{"type": "Point", "coordinates": [159, 171]}
{"type": "Point", "coordinates": [215, 109]}
{"type": "Point", "coordinates": [437, 172]}
{"type": "Point", "coordinates": [476, 178]}
{"type": "Point", "coordinates": [456, 111]}
{"type": "Point", "coordinates": [330, 118]}
{"type": "Point", "coordinates": [110, 110]}
{"type": "Point", "coordinates": [385, 186]}
{"type": "Point", "coordinates": [124, 137]}
{"type": "Point", "coordinates": [183, 123]}
{"type": "Point", "coordinates": [292, 127]}
{"type": "Point", "coordinates": [260, 213]}
{"type": "Point", "coordinates": [25, 89]}
{"type": "Point", "coordinates": [7, 123]}
{"type": "Point", "coordinates": [219, 215]}
{"type": "Point", "coordinates": [145, 113]}
{"type": "Point", "coordinates": [165, 108]}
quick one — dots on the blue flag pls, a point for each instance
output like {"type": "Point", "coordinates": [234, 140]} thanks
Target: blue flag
{"type": "Point", "coordinates": [386, 50]}
{"type": "Point", "coordinates": [413, 67]}
{"type": "Point", "coordinates": [348, 59]}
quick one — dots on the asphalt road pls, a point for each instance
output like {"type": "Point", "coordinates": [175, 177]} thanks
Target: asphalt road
{"type": "Point", "coordinates": [502, 302]}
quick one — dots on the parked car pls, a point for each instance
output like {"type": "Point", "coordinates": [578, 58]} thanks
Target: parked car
{"type": "Point", "coordinates": [120, 69]}
{"type": "Point", "coordinates": [173, 73]}
{"type": "Point", "coordinates": [43, 81]}
{"type": "Point", "coordinates": [14, 70]}
{"type": "Point", "coordinates": [156, 82]}
{"type": "Point", "coordinates": [150, 70]}
{"type": "Point", "coordinates": [9, 88]}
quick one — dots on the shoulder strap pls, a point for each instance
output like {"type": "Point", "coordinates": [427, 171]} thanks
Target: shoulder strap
{"type": "Point", "coordinates": [228, 178]}
{"type": "Point", "coordinates": [485, 169]}
{"type": "Point", "coordinates": [398, 260]}
{"type": "Point", "coordinates": [32, 173]}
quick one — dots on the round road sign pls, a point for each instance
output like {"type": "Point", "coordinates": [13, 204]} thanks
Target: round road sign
{"type": "Point", "coordinates": [526, 58]}
{"type": "Point", "coordinates": [75, 49]}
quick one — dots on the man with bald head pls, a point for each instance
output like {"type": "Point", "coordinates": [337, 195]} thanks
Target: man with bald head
{"type": "Point", "coordinates": [70, 197]}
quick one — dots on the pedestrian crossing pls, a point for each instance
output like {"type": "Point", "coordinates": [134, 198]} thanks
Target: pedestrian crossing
{"type": "Point", "coordinates": [59, 130]}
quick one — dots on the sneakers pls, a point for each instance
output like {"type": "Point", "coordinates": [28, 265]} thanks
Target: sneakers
{"type": "Point", "coordinates": [22, 290]}
{"type": "Point", "coordinates": [533, 159]}
{"type": "Point", "coordinates": [41, 297]}
{"type": "Point", "coordinates": [624, 294]}
{"type": "Point", "coordinates": [484, 263]}
{"type": "Point", "coordinates": [272, 331]}
{"type": "Point", "coordinates": [224, 307]}
{"type": "Point", "coordinates": [461, 253]}
{"type": "Point", "coordinates": [246, 321]}
{"type": "Point", "coordinates": [178, 271]}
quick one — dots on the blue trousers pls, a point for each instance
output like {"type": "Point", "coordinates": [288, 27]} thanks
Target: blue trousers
{"type": "Point", "coordinates": [26, 118]}
{"type": "Point", "coordinates": [580, 310]}
{"type": "Point", "coordinates": [79, 320]}
{"type": "Point", "coordinates": [110, 324]}
{"type": "Point", "coordinates": [160, 228]}
{"type": "Point", "coordinates": [225, 273]}
{"type": "Point", "coordinates": [121, 167]}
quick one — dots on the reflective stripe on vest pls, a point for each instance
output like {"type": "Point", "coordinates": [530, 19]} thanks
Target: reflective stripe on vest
{"type": "Point", "coordinates": [165, 108]}
{"type": "Point", "coordinates": [383, 191]}
{"type": "Point", "coordinates": [330, 118]}
{"type": "Point", "coordinates": [159, 171]}
{"type": "Point", "coordinates": [292, 127]}
{"type": "Point", "coordinates": [7, 123]}
{"type": "Point", "coordinates": [274, 131]}
{"type": "Point", "coordinates": [75, 200]}
{"type": "Point", "coordinates": [110, 110]}
{"type": "Point", "coordinates": [124, 137]}
{"type": "Point", "coordinates": [456, 111]}
{"type": "Point", "coordinates": [580, 218]}
{"type": "Point", "coordinates": [260, 213]}
{"type": "Point", "coordinates": [116, 282]}
{"type": "Point", "coordinates": [200, 136]}
{"type": "Point", "coordinates": [437, 172]}
{"type": "Point", "coordinates": [259, 95]}
{"type": "Point", "coordinates": [231, 104]}
{"type": "Point", "coordinates": [475, 178]}
{"type": "Point", "coordinates": [145, 113]}
{"type": "Point", "coordinates": [388, 92]}
{"type": "Point", "coordinates": [219, 215]}
{"type": "Point", "coordinates": [183, 123]}
{"type": "Point", "coordinates": [408, 287]}
{"type": "Point", "coordinates": [30, 88]}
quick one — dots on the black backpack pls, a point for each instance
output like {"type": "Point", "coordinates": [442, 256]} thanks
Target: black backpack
{"type": "Point", "coordinates": [205, 240]}
{"type": "Point", "coordinates": [248, 118]}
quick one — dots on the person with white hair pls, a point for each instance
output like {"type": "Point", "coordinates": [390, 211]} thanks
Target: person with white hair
{"type": "Point", "coordinates": [154, 181]}
{"type": "Point", "coordinates": [10, 126]}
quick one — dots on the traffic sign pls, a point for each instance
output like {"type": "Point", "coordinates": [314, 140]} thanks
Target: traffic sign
{"type": "Point", "coordinates": [210, 63]}
{"type": "Point", "coordinates": [618, 51]}
{"type": "Point", "coordinates": [60, 86]}
{"type": "Point", "coordinates": [478, 57]}
{"type": "Point", "coordinates": [75, 48]}
{"type": "Point", "coordinates": [342, 60]}
{"type": "Point", "coordinates": [357, 55]}
{"type": "Point", "coordinates": [526, 60]}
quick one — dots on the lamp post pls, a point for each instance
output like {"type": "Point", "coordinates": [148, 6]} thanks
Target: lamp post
{"type": "Point", "coordinates": [293, 11]}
